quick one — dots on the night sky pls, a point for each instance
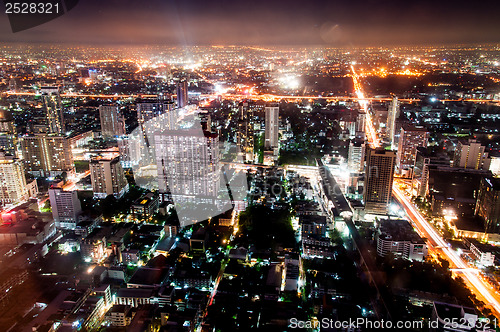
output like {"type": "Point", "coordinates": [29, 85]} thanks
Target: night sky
{"type": "Point", "coordinates": [291, 22]}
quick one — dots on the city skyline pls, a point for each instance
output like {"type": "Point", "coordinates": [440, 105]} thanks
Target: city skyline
{"type": "Point", "coordinates": [232, 166]}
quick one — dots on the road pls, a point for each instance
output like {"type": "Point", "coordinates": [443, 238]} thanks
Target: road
{"type": "Point", "coordinates": [480, 288]}
{"type": "Point", "coordinates": [210, 300]}
{"type": "Point", "coordinates": [255, 96]}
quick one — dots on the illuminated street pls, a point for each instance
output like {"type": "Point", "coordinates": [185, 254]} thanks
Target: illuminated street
{"type": "Point", "coordinates": [479, 287]}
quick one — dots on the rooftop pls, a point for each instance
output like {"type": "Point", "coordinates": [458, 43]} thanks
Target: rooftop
{"type": "Point", "coordinates": [134, 292]}
{"type": "Point", "coordinates": [148, 277]}
{"type": "Point", "coordinates": [398, 230]}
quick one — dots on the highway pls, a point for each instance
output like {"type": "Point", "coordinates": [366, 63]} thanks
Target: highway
{"type": "Point", "coordinates": [480, 288]}
{"type": "Point", "coordinates": [371, 133]}
{"type": "Point", "coordinates": [255, 96]}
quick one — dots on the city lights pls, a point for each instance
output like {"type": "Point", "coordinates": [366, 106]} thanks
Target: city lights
{"type": "Point", "coordinates": [235, 166]}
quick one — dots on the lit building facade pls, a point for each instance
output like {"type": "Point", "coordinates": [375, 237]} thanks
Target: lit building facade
{"type": "Point", "coordinates": [245, 135]}
{"type": "Point", "coordinates": [397, 237]}
{"type": "Point", "coordinates": [47, 155]}
{"type": "Point", "coordinates": [13, 187]}
{"type": "Point", "coordinates": [182, 93]}
{"type": "Point", "coordinates": [488, 203]}
{"type": "Point", "coordinates": [471, 155]}
{"type": "Point", "coordinates": [410, 139]}
{"type": "Point", "coordinates": [108, 177]}
{"type": "Point", "coordinates": [65, 207]}
{"type": "Point", "coordinates": [392, 115]}
{"type": "Point", "coordinates": [356, 156]}
{"type": "Point", "coordinates": [150, 109]}
{"type": "Point", "coordinates": [112, 122]}
{"type": "Point", "coordinates": [379, 175]}
{"type": "Point", "coordinates": [53, 108]}
{"type": "Point", "coordinates": [7, 132]}
{"type": "Point", "coordinates": [272, 127]}
{"type": "Point", "coordinates": [188, 162]}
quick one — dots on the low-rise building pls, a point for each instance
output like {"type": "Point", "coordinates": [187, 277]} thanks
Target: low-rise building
{"type": "Point", "coordinates": [292, 272]}
{"type": "Point", "coordinates": [192, 279]}
{"type": "Point", "coordinates": [321, 247]}
{"type": "Point", "coordinates": [444, 313]}
{"type": "Point", "coordinates": [93, 247]}
{"type": "Point", "coordinates": [147, 277]}
{"type": "Point", "coordinates": [120, 315]}
{"type": "Point", "coordinates": [484, 254]}
{"type": "Point", "coordinates": [145, 207]}
{"type": "Point", "coordinates": [398, 237]}
{"type": "Point", "coordinates": [313, 225]}
{"type": "Point", "coordinates": [22, 225]}
{"type": "Point", "coordinates": [134, 296]}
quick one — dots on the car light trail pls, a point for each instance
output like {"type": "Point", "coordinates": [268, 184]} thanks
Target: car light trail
{"type": "Point", "coordinates": [452, 256]}
{"type": "Point", "coordinates": [363, 102]}
{"type": "Point", "coordinates": [420, 223]}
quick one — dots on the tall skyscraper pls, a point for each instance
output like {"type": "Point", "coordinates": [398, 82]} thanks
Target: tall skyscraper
{"type": "Point", "coordinates": [245, 134]}
{"type": "Point", "coordinates": [488, 204]}
{"type": "Point", "coordinates": [189, 174]}
{"type": "Point", "coordinates": [410, 139]}
{"type": "Point", "coordinates": [379, 175]}
{"type": "Point", "coordinates": [356, 156]}
{"type": "Point", "coordinates": [47, 155]}
{"type": "Point", "coordinates": [54, 111]}
{"type": "Point", "coordinates": [188, 163]}
{"type": "Point", "coordinates": [272, 127]}
{"type": "Point", "coordinates": [471, 154]}
{"type": "Point", "coordinates": [7, 132]}
{"type": "Point", "coordinates": [360, 122]}
{"type": "Point", "coordinates": [392, 115]}
{"type": "Point", "coordinates": [112, 122]}
{"type": "Point", "coordinates": [65, 207]}
{"type": "Point", "coordinates": [424, 161]}
{"type": "Point", "coordinates": [12, 180]}
{"type": "Point", "coordinates": [108, 177]}
{"type": "Point", "coordinates": [182, 93]}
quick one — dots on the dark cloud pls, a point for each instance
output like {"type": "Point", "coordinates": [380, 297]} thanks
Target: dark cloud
{"type": "Point", "coordinates": [192, 22]}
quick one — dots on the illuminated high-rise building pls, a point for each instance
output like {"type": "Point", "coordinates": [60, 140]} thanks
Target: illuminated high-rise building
{"type": "Point", "coordinates": [356, 156]}
{"type": "Point", "coordinates": [410, 139]}
{"type": "Point", "coordinates": [392, 115]}
{"type": "Point", "coordinates": [108, 177]}
{"type": "Point", "coordinates": [182, 93]}
{"type": "Point", "coordinates": [13, 187]}
{"type": "Point", "coordinates": [471, 154]}
{"type": "Point", "coordinates": [53, 108]}
{"type": "Point", "coordinates": [379, 175]}
{"type": "Point", "coordinates": [245, 134]}
{"type": "Point", "coordinates": [65, 207]}
{"type": "Point", "coordinates": [360, 122]}
{"type": "Point", "coordinates": [272, 127]}
{"type": "Point", "coordinates": [47, 155]}
{"type": "Point", "coordinates": [112, 122]}
{"type": "Point", "coordinates": [189, 174]}
{"type": "Point", "coordinates": [488, 203]}
{"type": "Point", "coordinates": [188, 162]}
{"type": "Point", "coordinates": [7, 132]}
